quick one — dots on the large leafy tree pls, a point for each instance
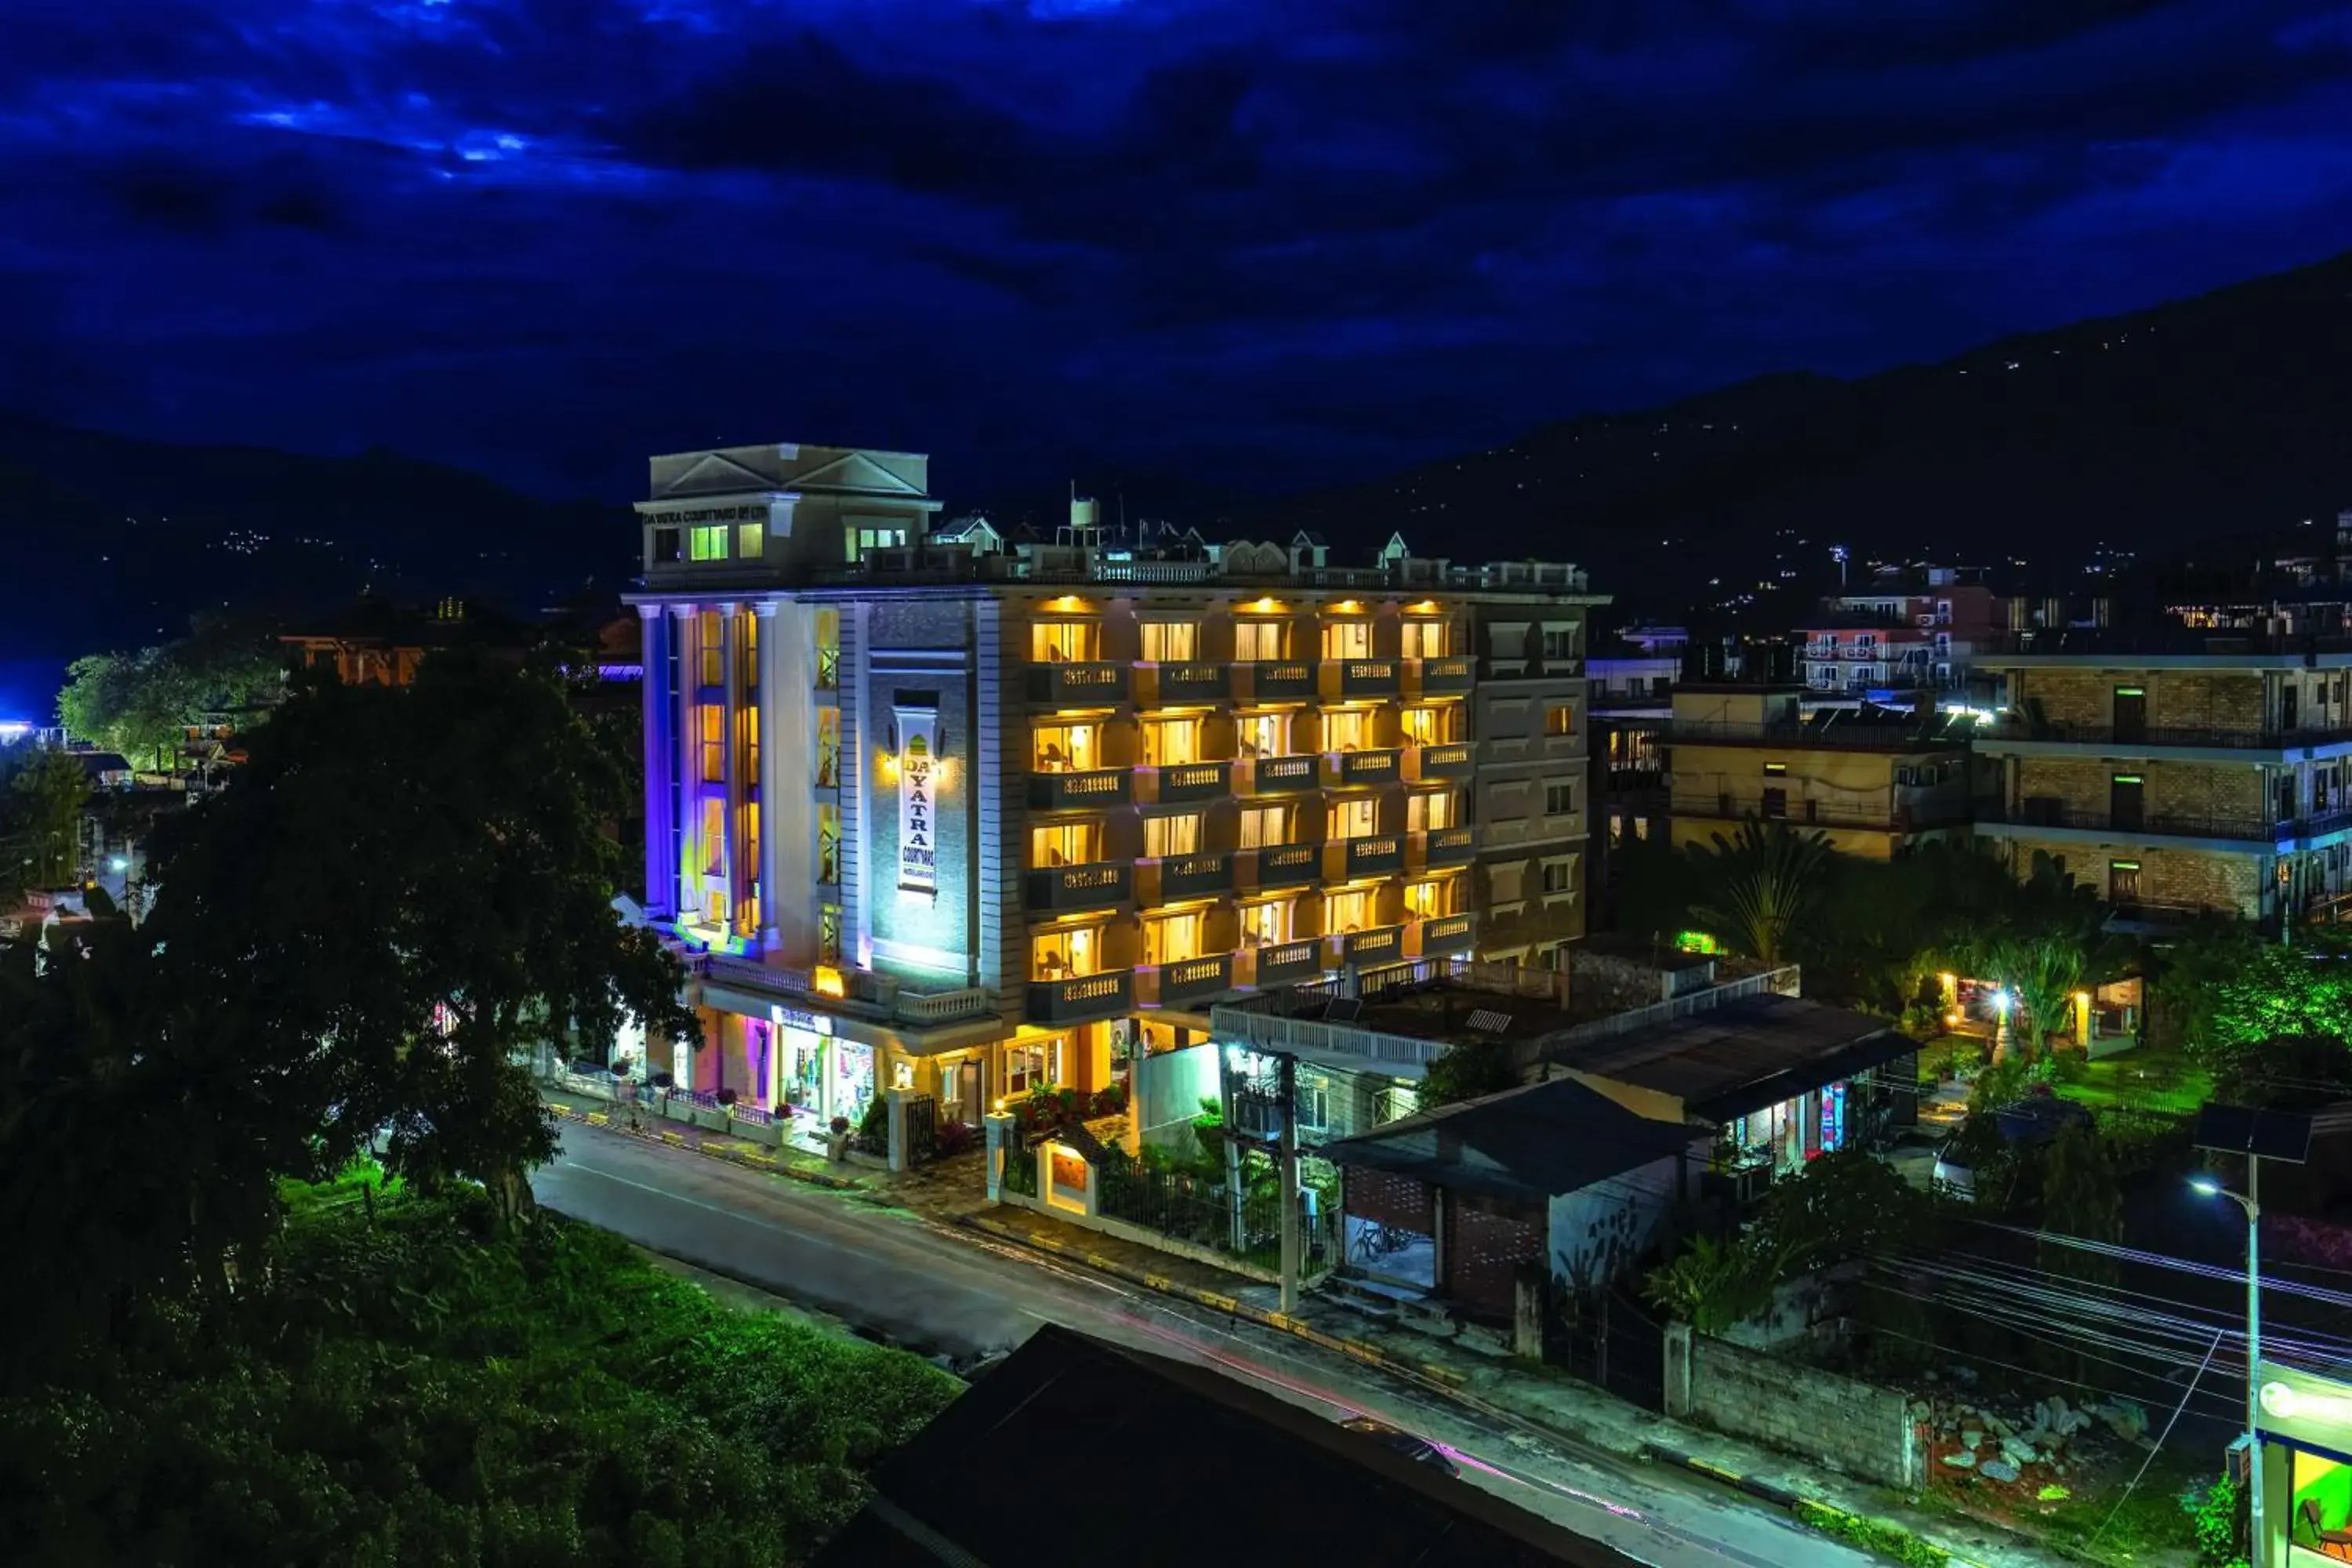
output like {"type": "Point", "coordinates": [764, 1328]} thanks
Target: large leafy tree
{"type": "Point", "coordinates": [1761, 883]}
{"type": "Point", "coordinates": [141, 702]}
{"type": "Point", "coordinates": [46, 793]}
{"type": "Point", "coordinates": [402, 898]}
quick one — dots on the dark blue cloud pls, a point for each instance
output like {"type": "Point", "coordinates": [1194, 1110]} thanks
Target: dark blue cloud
{"type": "Point", "coordinates": [1268, 244]}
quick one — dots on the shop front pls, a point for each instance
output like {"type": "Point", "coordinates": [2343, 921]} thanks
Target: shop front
{"type": "Point", "coordinates": [2306, 1426]}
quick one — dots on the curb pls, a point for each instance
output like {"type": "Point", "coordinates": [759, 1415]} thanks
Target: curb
{"type": "Point", "coordinates": [1359, 1350]}
{"type": "Point", "coordinates": [747, 1160]}
{"type": "Point", "coordinates": [1813, 1514]}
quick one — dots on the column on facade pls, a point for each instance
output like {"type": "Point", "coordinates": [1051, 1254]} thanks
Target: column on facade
{"type": "Point", "coordinates": [730, 671]}
{"type": "Point", "coordinates": [685, 848]}
{"type": "Point", "coordinates": [774, 748]}
{"type": "Point", "coordinates": [657, 641]}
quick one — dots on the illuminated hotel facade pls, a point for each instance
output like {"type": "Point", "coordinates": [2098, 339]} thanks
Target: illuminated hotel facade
{"type": "Point", "coordinates": [931, 812]}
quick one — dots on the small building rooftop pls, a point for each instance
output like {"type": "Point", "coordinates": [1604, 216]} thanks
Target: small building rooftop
{"type": "Point", "coordinates": [1737, 1056]}
{"type": "Point", "coordinates": [1540, 1141]}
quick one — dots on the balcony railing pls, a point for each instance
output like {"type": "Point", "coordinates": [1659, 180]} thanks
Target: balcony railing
{"type": "Point", "coordinates": [2137, 737]}
{"type": "Point", "coordinates": [1075, 999]}
{"type": "Point", "coordinates": [1447, 676]}
{"type": "Point", "coordinates": [1382, 945]}
{"type": "Point", "coordinates": [1070, 791]}
{"type": "Point", "coordinates": [1078, 684]}
{"type": "Point", "coordinates": [1361, 769]}
{"type": "Point", "coordinates": [1275, 680]}
{"type": "Point", "coordinates": [1093, 885]}
{"type": "Point", "coordinates": [1283, 964]}
{"type": "Point", "coordinates": [1184, 781]}
{"type": "Point", "coordinates": [2038, 811]}
{"type": "Point", "coordinates": [1441, 935]}
{"type": "Point", "coordinates": [1432, 846]}
{"type": "Point", "coordinates": [1862, 737]}
{"type": "Point", "coordinates": [1884, 815]}
{"type": "Point", "coordinates": [1279, 865]}
{"type": "Point", "coordinates": [1281, 775]}
{"type": "Point", "coordinates": [1352, 679]}
{"type": "Point", "coordinates": [1379, 855]}
{"type": "Point", "coordinates": [1447, 759]}
{"type": "Point", "coordinates": [1176, 876]}
{"type": "Point", "coordinates": [1158, 685]}
{"type": "Point", "coordinates": [1191, 980]}
{"type": "Point", "coordinates": [864, 990]}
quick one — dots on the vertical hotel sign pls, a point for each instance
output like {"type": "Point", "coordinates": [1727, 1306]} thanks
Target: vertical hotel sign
{"type": "Point", "coordinates": [919, 741]}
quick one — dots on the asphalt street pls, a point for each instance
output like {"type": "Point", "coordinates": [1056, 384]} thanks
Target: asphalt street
{"type": "Point", "coordinates": [938, 1288]}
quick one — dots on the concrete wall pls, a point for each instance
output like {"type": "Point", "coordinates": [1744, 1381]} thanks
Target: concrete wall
{"type": "Point", "coordinates": [1856, 1428]}
{"type": "Point", "coordinates": [1598, 1234]}
{"type": "Point", "coordinates": [2167, 788]}
{"type": "Point", "coordinates": [1169, 1088]}
{"type": "Point", "coordinates": [2218, 879]}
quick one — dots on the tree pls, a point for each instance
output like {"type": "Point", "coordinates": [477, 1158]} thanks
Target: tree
{"type": "Point", "coordinates": [141, 703]}
{"type": "Point", "coordinates": [1468, 1070]}
{"type": "Point", "coordinates": [1761, 883]}
{"type": "Point", "coordinates": [2236, 997]}
{"type": "Point", "coordinates": [40, 820]}
{"type": "Point", "coordinates": [2041, 973]}
{"type": "Point", "coordinates": [402, 898]}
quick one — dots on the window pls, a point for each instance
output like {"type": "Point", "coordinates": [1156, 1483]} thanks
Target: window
{"type": "Point", "coordinates": [863, 539]}
{"type": "Point", "coordinates": [1425, 639]}
{"type": "Point", "coordinates": [1262, 925]}
{"type": "Point", "coordinates": [1171, 743]}
{"type": "Point", "coordinates": [666, 546]}
{"type": "Point", "coordinates": [714, 837]}
{"type": "Point", "coordinates": [707, 638]}
{"type": "Point", "coordinates": [828, 649]}
{"type": "Point", "coordinates": [1559, 643]}
{"type": "Point", "coordinates": [1347, 640]}
{"type": "Point", "coordinates": [750, 722]}
{"type": "Point", "coordinates": [708, 544]}
{"type": "Point", "coordinates": [1775, 803]}
{"type": "Point", "coordinates": [1616, 827]}
{"type": "Point", "coordinates": [1559, 876]}
{"type": "Point", "coordinates": [1353, 818]}
{"type": "Point", "coordinates": [1559, 799]}
{"type": "Point", "coordinates": [1264, 825]}
{"type": "Point", "coordinates": [1420, 726]}
{"type": "Point", "coordinates": [714, 742]}
{"type": "Point", "coordinates": [1426, 899]}
{"type": "Point", "coordinates": [1425, 809]}
{"type": "Point", "coordinates": [751, 541]}
{"type": "Point", "coordinates": [1055, 642]}
{"type": "Point", "coordinates": [828, 933]}
{"type": "Point", "coordinates": [1642, 827]}
{"type": "Point", "coordinates": [828, 845]}
{"type": "Point", "coordinates": [1034, 1066]}
{"type": "Point", "coordinates": [1312, 1101]}
{"type": "Point", "coordinates": [1263, 734]}
{"type": "Point", "coordinates": [1560, 719]}
{"type": "Point", "coordinates": [1171, 642]}
{"type": "Point", "coordinates": [1066, 844]}
{"type": "Point", "coordinates": [1068, 748]}
{"type": "Point", "coordinates": [1065, 954]}
{"type": "Point", "coordinates": [1347, 912]}
{"type": "Point", "coordinates": [1346, 730]}
{"type": "Point", "coordinates": [747, 825]}
{"type": "Point", "coordinates": [828, 747]}
{"type": "Point", "coordinates": [2122, 881]}
{"type": "Point", "coordinates": [1779, 770]}
{"type": "Point", "coordinates": [1259, 642]}
{"type": "Point", "coordinates": [1172, 940]}
{"type": "Point", "coordinates": [747, 650]}
{"type": "Point", "coordinates": [1178, 833]}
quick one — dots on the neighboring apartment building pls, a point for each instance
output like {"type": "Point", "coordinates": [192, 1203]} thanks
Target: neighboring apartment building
{"type": "Point", "coordinates": [1914, 630]}
{"type": "Point", "coordinates": [2208, 775]}
{"type": "Point", "coordinates": [1630, 688]}
{"type": "Point", "coordinates": [1872, 785]}
{"type": "Point", "coordinates": [980, 816]}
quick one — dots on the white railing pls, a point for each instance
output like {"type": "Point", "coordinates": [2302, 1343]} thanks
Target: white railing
{"type": "Point", "coordinates": [1781, 982]}
{"type": "Point", "coordinates": [941, 1007]}
{"type": "Point", "coordinates": [1294, 1035]}
{"type": "Point", "coordinates": [867, 990]}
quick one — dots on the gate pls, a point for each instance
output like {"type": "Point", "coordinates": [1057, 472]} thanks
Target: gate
{"type": "Point", "coordinates": [922, 1129]}
{"type": "Point", "coordinates": [1612, 1342]}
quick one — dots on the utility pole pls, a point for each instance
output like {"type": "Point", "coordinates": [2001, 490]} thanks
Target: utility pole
{"type": "Point", "coordinates": [1287, 1156]}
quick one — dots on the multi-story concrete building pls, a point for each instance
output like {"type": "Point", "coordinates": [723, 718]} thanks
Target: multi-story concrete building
{"type": "Point", "coordinates": [2207, 775]}
{"type": "Point", "coordinates": [1910, 630]}
{"type": "Point", "coordinates": [975, 819]}
{"type": "Point", "coordinates": [1873, 784]}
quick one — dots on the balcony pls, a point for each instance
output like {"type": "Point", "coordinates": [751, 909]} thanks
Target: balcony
{"type": "Point", "coordinates": [1161, 685]}
{"type": "Point", "coordinates": [1185, 782]}
{"type": "Point", "coordinates": [1080, 998]}
{"type": "Point", "coordinates": [1441, 935]}
{"type": "Point", "coordinates": [1098, 885]}
{"type": "Point", "coordinates": [1433, 846]}
{"type": "Point", "coordinates": [1187, 980]}
{"type": "Point", "coordinates": [1449, 676]}
{"type": "Point", "coordinates": [1382, 945]}
{"type": "Point", "coordinates": [1180, 876]}
{"type": "Point", "coordinates": [1281, 775]}
{"type": "Point", "coordinates": [862, 991]}
{"type": "Point", "coordinates": [1283, 964]}
{"type": "Point", "coordinates": [1380, 855]}
{"type": "Point", "coordinates": [2140, 739]}
{"type": "Point", "coordinates": [1854, 736]}
{"type": "Point", "coordinates": [1908, 812]}
{"type": "Point", "coordinates": [1275, 680]}
{"type": "Point", "coordinates": [1077, 791]}
{"type": "Point", "coordinates": [1075, 684]}
{"type": "Point", "coordinates": [1450, 760]}
{"type": "Point", "coordinates": [1363, 770]}
{"type": "Point", "coordinates": [1356, 679]}
{"type": "Point", "coordinates": [1280, 866]}
{"type": "Point", "coordinates": [2037, 811]}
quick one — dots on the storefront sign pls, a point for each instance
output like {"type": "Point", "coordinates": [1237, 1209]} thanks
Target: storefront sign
{"type": "Point", "coordinates": [918, 732]}
{"type": "Point", "coordinates": [2305, 1408]}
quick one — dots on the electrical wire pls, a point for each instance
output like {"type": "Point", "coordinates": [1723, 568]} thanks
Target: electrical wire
{"type": "Point", "coordinates": [2141, 1473]}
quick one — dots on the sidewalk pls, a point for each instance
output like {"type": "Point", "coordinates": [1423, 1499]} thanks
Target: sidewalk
{"type": "Point", "coordinates": [802, 1167]}
{"type": "Point", "coordinates": [1539, 1396]}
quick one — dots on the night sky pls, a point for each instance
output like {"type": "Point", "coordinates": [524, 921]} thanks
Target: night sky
{"type": "Point", "coordinates": [1271, 243]}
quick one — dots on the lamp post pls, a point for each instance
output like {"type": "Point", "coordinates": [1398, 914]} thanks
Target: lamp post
{"type": "Point", "coordinates": [2209, 1187]}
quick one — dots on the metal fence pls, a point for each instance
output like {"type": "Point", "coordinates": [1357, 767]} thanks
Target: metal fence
{"type": "Point", "coordinates": [1203, 1212]}
{"type": "Point", "coordinates": [1020, 1168]}
{"type": "Point", "coordinates": [922, 1129]}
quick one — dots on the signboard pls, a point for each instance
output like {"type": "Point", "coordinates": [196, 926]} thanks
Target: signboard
{"type": "Point", "coordinates": [918, 739]}
{"type": "Point", "coordinates": [2304, 1408]}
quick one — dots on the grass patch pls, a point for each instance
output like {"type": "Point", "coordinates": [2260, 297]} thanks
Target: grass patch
{"type": "Point", "coordinates": [1883, 1537]}
{"type": "Point", "coordinates": [2140, 1079]}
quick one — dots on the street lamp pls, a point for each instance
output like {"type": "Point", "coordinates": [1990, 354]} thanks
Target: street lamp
{"type": "Point", "coordinates": [2207, 1186]}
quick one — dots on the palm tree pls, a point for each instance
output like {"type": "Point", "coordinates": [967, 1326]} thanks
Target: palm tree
{"type": "Point", "coordinates": [1761, 882]}
{"type": "Point", "coordinates": [2040, 972]}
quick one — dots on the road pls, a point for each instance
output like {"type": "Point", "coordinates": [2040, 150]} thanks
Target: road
{"type": "Point", "coordinates": [935, 1287]}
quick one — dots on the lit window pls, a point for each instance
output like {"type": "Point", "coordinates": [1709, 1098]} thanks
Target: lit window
{"type": "Point", "coordinates": [1066, 844]}
{"type": "Point", "coordinates": [714, 837]}
{"type": "Point", "coordinates": [1171, 642]}
{"type": "Point", "coordinates": [708, 544]}
{"type": "Point", "coordinates": [1264, 825]}
{"type": "Point", "coordinates": [828, 933]}
{"type": "Point", "coordinates": [1355, 819]}
{"type": "Point", "coordinates": [1346, 911]}
{"type": "Point", "coordinates": [1346, 730]}
{"type": "Point", "coordinates": [1033, 1065]}
{"type": "Point", "coordinates": [714, 744]}
{"type": "Point", "coordinates": [1263, 734]}
{"type": "Point", "coordinates": [828, 845]}
{"type": "Point", "coordinates": [1171, 743]}
{"type": "Point", "coordinates": [1425, 639]}
{"type": "Point", "coordinates": [1177, 834]}
{"type": "Point", "coordinates": [1434, 808]}
{"type": "Point", "coordinates": [1172, 940]}
{"type": "Point", "coordinates": [828, 649]}
{"type": "Point", "coordinates": [1347, 640]}
{"type": "Point", "coordinates": [707, 638]}
{"type": "Point", "coordinates": [1560, 719]}
{"type": "Point", "coordinates": [1065, 954]}
{"type": "Point", "coordinates": [751, 541]}
{"type": "Point", "coordinates": [1424, 900]}
{"type": "Point", "coordinates": [1260, 642]}
{"type": "Point", "coordinates": [1420, 726]}
{"type": "Point", "coordinates": [828, 747]}
{"type": "Point", "coordinates": [1059, 642]}
{"type": "Point", "coordinates": [1068, 748]}
{"type": "Point", "coordinates": [1262, 925]}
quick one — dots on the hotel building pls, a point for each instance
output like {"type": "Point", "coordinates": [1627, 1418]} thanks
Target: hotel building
{"type": "Point", "coordinates": [971, 819]}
